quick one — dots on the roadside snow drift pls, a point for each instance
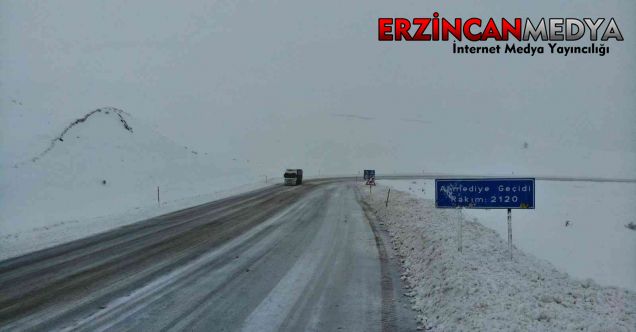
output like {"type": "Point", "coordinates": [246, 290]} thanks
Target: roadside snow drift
{"type": "Point", "coordinates": [574, 227]}
{"type": "Point", "coordinates": [481, 288]}
{"type": "Point", "coordinates": [99, 171]}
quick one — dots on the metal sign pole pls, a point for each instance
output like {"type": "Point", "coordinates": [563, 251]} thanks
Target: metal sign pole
{"type": "Point", "coordinates": [510, 232]}
{"type": "Point", "coordinates": [460, 230]}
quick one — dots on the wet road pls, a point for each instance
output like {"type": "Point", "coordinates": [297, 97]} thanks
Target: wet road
{"type": "Point", "coordinates": [301, 258]}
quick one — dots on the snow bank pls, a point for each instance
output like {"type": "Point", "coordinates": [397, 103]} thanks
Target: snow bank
{"type": "Point", "coordinates": [481, 288]}
{"type": "Point", "coordinates": [596, 243]}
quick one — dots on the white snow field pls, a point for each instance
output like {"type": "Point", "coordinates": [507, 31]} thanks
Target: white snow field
{"type": "Point", "coordinates": [481, 289]}
{"type": "Point", "coordinates": [104, 173]}
{"type": "Point", "coordinates": [596, 244]}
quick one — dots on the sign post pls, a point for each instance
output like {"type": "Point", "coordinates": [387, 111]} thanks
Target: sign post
{"type": "Point", "coordinates": [485, 193]}
{"type": "Point", "coordinates": [510, 232]}
{"type": "Point", "coordinates": [460, 229]}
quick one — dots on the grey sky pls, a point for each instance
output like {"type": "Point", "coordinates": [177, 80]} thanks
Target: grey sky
{"type": "Point", "coordinates": [252, 76]}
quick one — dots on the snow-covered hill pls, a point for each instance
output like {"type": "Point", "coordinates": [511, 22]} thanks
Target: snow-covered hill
{"type": "Point", "coordinates": [348, 143]}
{"type": "Point", "coordinates": [102, 169]}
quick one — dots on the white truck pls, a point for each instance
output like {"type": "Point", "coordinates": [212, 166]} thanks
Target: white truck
{"type": "Point", "coordinates": [293, 177]}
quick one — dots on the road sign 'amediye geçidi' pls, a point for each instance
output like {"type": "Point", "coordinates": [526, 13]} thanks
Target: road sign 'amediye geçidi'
{"type": "Point", "coordinates": [492, 193]}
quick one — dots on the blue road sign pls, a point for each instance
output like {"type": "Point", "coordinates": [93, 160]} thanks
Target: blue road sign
{"type": "Point", "coordinates": [495, 193]}
{"type": "Point", "coordinates": [369, 173]}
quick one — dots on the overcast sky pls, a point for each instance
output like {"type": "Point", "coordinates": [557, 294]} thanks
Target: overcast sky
{"type": "Point", "coordinates": [256, 77]}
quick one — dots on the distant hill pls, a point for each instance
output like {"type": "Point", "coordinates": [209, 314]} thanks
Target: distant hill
{"type": "Point", "coordinates": [104, 162]}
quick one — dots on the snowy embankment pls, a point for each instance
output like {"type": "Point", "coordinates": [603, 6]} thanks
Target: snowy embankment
{"type": "Point", "coordinates": [579, 226]}
{"type": "Point", "coordinates": [99, 171]}
{"type": "Point", "coordinates": [481, 288]}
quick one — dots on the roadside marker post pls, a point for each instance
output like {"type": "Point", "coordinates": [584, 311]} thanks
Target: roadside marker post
{"type": "Point", "coordinates": [485, 193]}
{"type": "Point", "coordinates": [387, 198]}
{"type": "Point", "coordinates": [158, 199]}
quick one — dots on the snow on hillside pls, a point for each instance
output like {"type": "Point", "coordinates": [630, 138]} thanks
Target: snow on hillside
{"type": "Point", "coordinates": [481, 289]}
{"type": "Point", "coordinates": [96, 172]}
{"type": "Point", "coordinates": [596, 243]}
{"type": "Point", "coordinates": [349, 142]}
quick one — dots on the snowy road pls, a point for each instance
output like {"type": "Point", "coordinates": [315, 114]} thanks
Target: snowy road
{"type": "Point", "coordinates": [280, 258]}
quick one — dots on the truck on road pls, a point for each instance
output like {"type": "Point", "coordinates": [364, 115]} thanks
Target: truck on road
{"type": "Point", "coordinates": [293, 177]}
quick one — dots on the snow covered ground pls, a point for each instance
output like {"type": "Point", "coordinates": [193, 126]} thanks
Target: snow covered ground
{"type": "Point", "coordinates": [596, 244]}
{"type": "Point", "coordinates": [45, 235]}
{"type": "Point", "coordinates": [481, 288]}
{"type": "Point", "coordinates": [103, 173]}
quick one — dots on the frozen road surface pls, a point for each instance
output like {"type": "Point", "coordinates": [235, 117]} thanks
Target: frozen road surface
{"type": "Point", "coordinates": [301, 258]}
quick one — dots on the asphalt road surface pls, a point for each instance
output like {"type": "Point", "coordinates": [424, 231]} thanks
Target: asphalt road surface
{"type": "Point", "coordinates": [306, 258]}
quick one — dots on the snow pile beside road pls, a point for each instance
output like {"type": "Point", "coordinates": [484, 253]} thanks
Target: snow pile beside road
{"type": "Point", "coordinates": [481, 288]}
{"type": "Point", "coordinates": [596, 244]}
